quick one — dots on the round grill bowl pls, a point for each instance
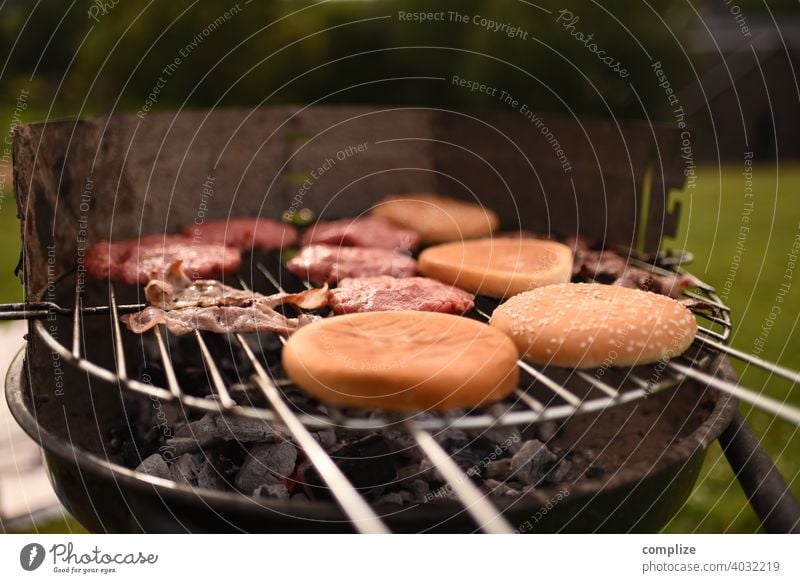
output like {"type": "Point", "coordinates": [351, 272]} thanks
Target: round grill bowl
{"type": "Point", "coordinates": [649, 474]}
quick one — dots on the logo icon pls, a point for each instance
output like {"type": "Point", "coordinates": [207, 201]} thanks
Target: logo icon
{"type": "Point", "coordinates": [31, 556]}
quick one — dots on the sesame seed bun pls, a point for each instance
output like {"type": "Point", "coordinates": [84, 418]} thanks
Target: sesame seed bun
{"type": "Point", "coordinates": [438, 218]}
{"type": "Point", "coordinates": [499, 268]}
{"type": "Point", "coordinates": [588, 325]}
{"type": "Point", "coordinates": [402, 361]}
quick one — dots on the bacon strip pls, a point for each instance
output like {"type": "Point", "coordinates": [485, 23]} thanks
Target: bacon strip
{"type": "Point", "coordinates": [184, 306]}
{"type": "Point", "coordinates": [219, 319]}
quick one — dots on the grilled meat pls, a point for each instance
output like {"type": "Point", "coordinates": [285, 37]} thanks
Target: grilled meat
{"type": "Point", "coordinates": [325, 263]}
{"type": "Point", "coordinates": [184, 306]}
{"type": "Point", "coordinates": [386, 293]}
{"type": "Point", "coordinates": [244, 233]}
{"type": "Point", "coordinates": [140, 260]}
{"type": "Point", "coordinates": [374, 232]}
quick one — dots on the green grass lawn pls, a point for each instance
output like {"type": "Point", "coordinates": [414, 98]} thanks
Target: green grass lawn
{"type": "Point", "coordinates": [10, 245]}
{"type": "Point", "coordinates": [712, 216]}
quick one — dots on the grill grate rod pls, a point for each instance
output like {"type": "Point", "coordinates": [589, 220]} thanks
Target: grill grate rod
{"type": "Point", "coordinates": [603, 386]}
{"type": "Point", "coordinates": [557, 388]}
{"type": "Point", "coordinates": [351, 502]}
{"type": "Point", "coordinates": [480, 508]}
{"type": "Point", "coordinates": [212, 370]}
{"type": "Point", "coordinates": [169, 370]}
{"type": "Point", "coordinates": [40, 310]}
{"type": "Point", "coordinates": [529, 401]}
{"type": "Point", "coordinates": [119, 349]}
{"type": "Point", "coordinates": [784, 410]}
{"type": "Point", "coordinates": [771, 367]}
{"type": "Point", "coordinates": [76, 322]}
{"type": "Point", "coordinates": [703, 333]}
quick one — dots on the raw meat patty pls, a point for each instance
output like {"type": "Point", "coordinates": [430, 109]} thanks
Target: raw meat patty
{"type": "Point", "coordinates": [363, 232]}
{"type": "Point", "coordinates": [137, 260]}
{"type": "Point", "coordinates": [385, 293]}
{"type": "Point", "coordinates": [244, 233]}
{"type": "Point", "coordinates": [325, 263]}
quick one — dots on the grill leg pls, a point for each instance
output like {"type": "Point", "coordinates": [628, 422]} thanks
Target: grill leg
{"type": "Point", "coordinates": [766, 489]}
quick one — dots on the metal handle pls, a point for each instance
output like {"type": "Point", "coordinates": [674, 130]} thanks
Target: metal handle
{"type": "Point", "coordinates": [767, 491]}
{"type": "Point", "coordinates": [37, 310]}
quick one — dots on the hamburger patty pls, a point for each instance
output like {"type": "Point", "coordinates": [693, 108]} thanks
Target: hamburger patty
{"type": "Point", "coordinates": [385, 293]}
{"type": "Point", "coordinates": [325, 263]}
{"type": "Point", "coordinates": [362, 232]}
{"type": "Point", "coordinates": [402, 361]}
{"type": "Point", "coordinates": [244, 233]}
{"type": "Point", "coordinates": [138, 260]}
{"type": "Point", "coordinates": [437, 218]}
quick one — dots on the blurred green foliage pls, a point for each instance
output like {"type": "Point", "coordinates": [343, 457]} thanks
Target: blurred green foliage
{"type": "Point", "coordinates": [298, 51]}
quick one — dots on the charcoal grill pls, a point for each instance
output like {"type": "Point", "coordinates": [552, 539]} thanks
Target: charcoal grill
{"type": "Point", "coordinates": [60, 169]}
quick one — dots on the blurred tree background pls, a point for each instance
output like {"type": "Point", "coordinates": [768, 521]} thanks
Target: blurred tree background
{"type": "Point", "coordinates": [298, 51]}
{"type": "Point", "coordinates": [83, 57]}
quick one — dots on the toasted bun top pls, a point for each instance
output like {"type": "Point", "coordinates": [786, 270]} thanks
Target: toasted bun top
{"type": "Point", "coordinates": [438, 218]}
{"type": "Point", "coordinates": [402, 361]}
{"type": "Point", "coordinates": [498, 267]}
{"type": "Point", "coordinates": [591, 325]}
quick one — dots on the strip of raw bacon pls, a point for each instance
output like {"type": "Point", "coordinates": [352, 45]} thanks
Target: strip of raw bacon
{"type": "Point", "coordinates": [209, 305]}
{"type": "Point", "coordinates": [219, 319]}
{"type": "Point", "coordinates": [177, 291]}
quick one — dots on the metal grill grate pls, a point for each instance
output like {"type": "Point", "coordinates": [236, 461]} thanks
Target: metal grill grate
{"type": "Point", "coordinates": [568, 393]}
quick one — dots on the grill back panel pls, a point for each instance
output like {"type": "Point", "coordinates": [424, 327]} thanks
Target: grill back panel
{"type": "Point", "coordinates": [137, 176]}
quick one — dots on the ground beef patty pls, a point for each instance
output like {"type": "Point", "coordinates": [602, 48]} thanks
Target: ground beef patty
{"type": "Point", "coordinates": [362, 232]}
{"type": "Point", "coordinates": [385, 293]}
{"type": "Point", "coordinates": [137, 260]}
{"type": "Point", "coordinates": [326, 263]}
{"type": "Point", "coordinates": [244, 233]}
